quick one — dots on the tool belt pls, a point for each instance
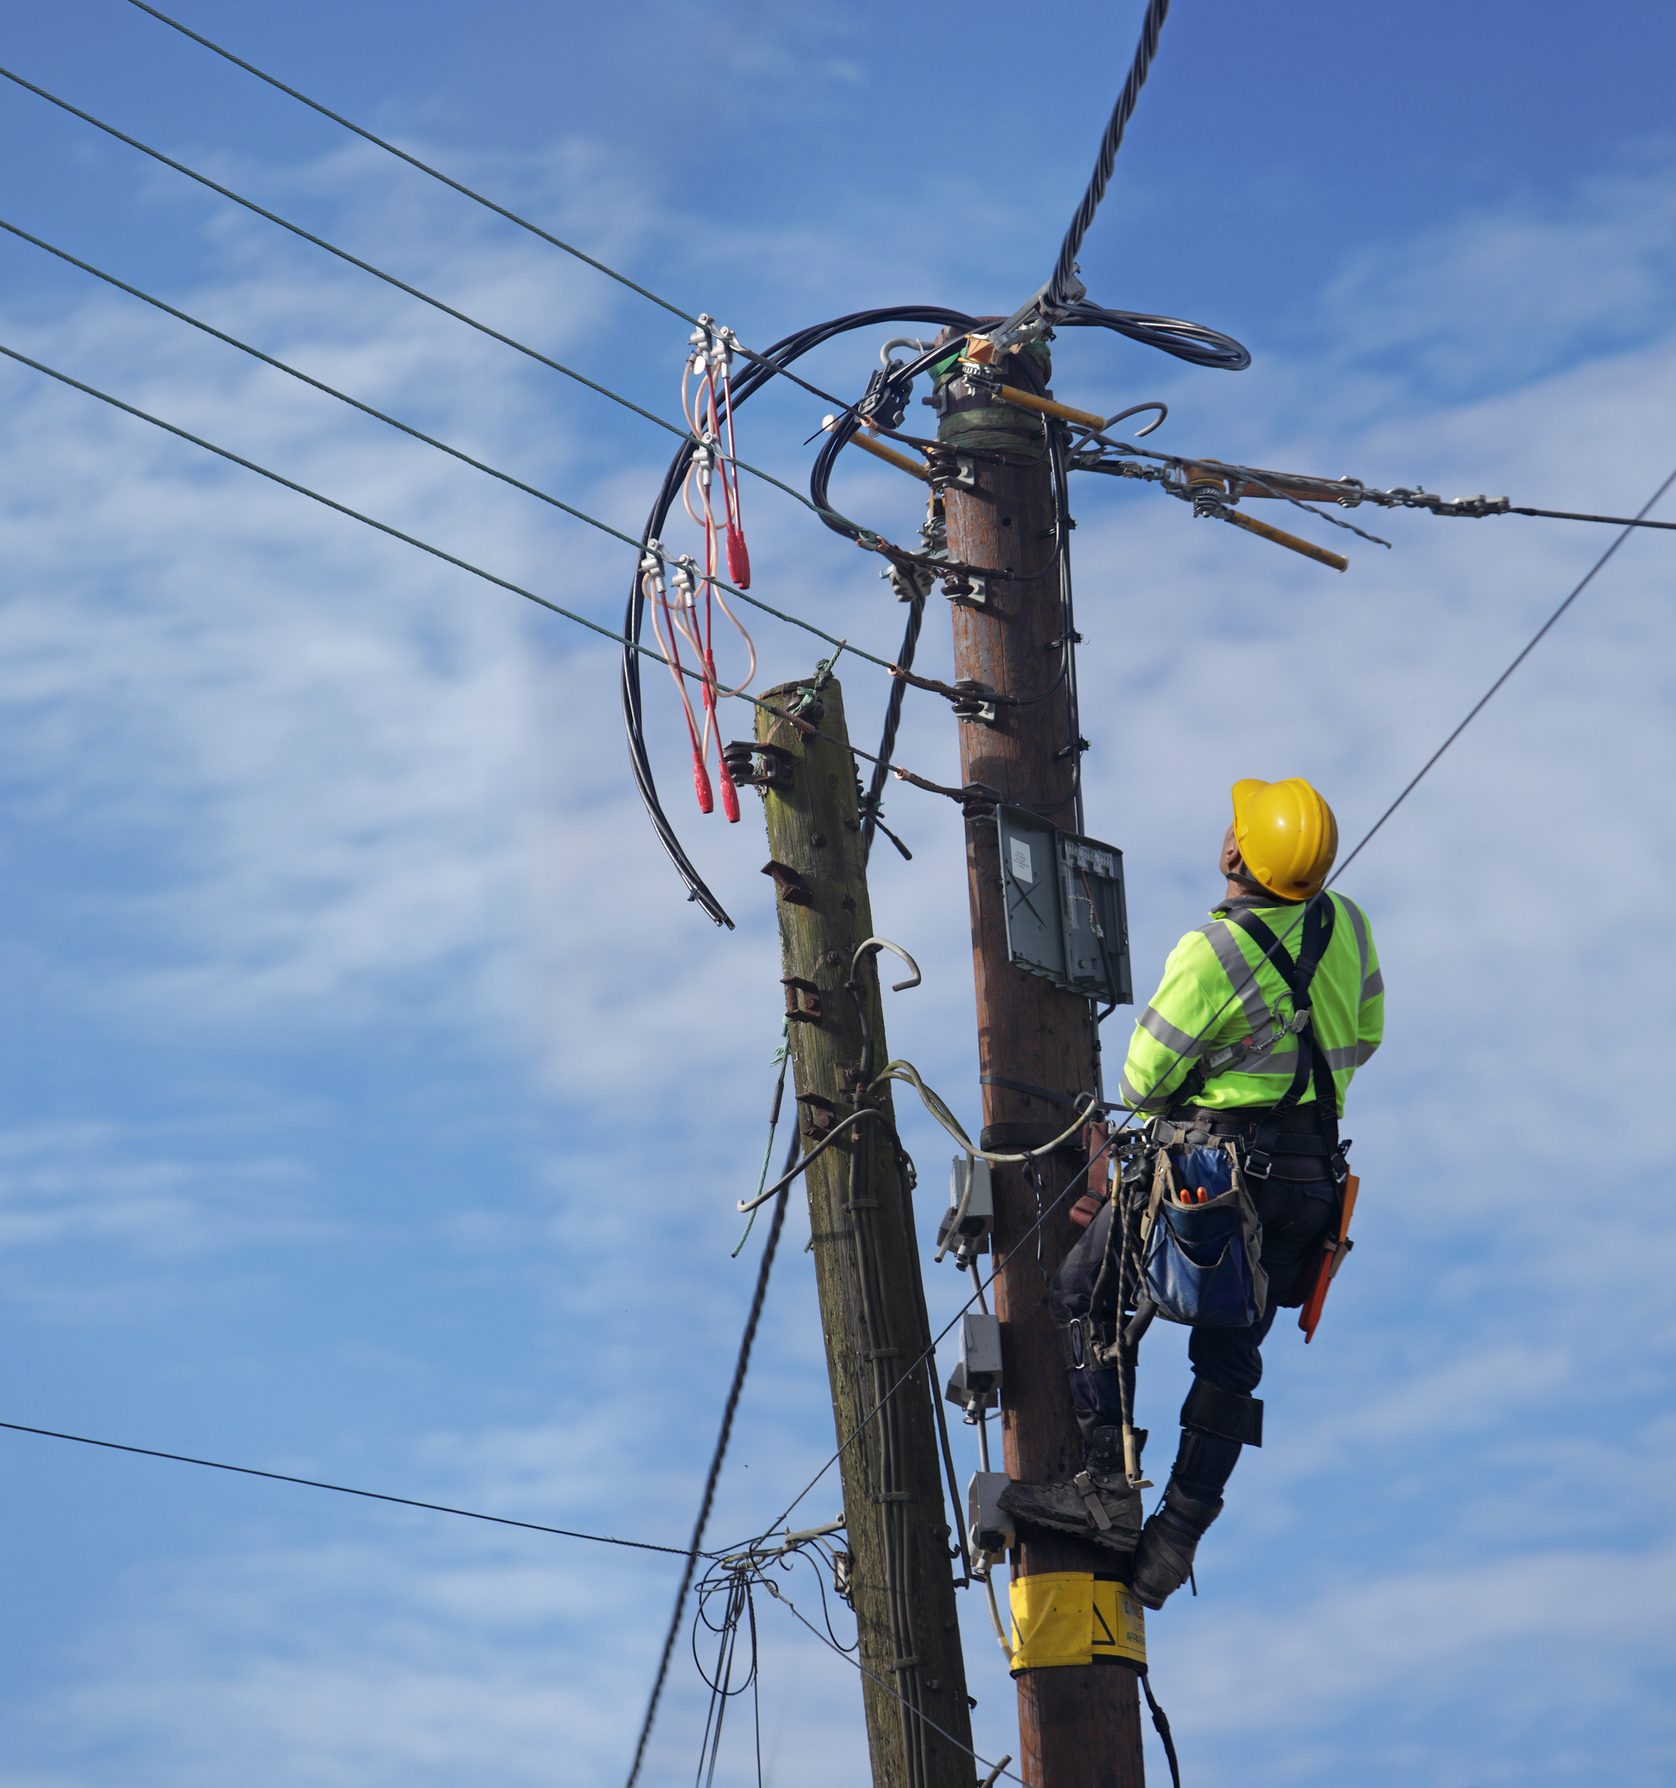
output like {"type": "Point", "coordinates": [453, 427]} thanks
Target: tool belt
{"type": "Point", "coordinates": [1201, 1263]}
{"type": "Point", "coordinates": [1297, 1142]}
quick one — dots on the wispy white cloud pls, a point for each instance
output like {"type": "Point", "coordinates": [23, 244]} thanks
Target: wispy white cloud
{"type": "Point", "coordinates": [155, 1194]}
{"type": "Point", "coordinates": [319, 789]}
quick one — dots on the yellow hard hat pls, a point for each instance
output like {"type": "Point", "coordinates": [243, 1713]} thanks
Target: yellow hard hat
{"type": "Point", "coordinates": [1287, 835]}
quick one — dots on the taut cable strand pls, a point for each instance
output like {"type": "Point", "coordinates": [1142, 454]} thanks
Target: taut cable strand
{"type": "Point", "coordinates": [418, 434]}
{"type": "Point", "coordinates": [413, 540]}
{"type": "Point", "coordinates": [389, 279]}
{"type": "Point", "coordinates": [285, 1477]}
{"type": "Point", "coordinates": [1064, 271]}
{"type": "Point", "coordinates": [459, 186]}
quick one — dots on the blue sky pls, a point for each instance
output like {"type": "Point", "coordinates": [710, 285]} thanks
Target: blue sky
{"type": "Point", "coordinates": [375, 1107]}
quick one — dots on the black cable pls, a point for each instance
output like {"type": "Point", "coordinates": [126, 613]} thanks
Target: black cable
{"type": "Point", "coordinates": [418, 434]}
{"type": "Point", "coordinates": [413, 540]}
{"type": "Point", "coordinates": [1196, 343]}
{"type": "Point", "coordinates": [459, 186]}
{"type": "Point", "coordinates": [1616, 521]}
{"type": "Point", "coordinates": [925, 1721]}
{"type": "Point", "coordinates": [1060, 285]}
{"type": "Point", "coordinates": [782, 353]}
{"type": "Point", "coordinates": [873, 800]}
{"type": "Point", "coordinates": [1161, 1722]}
{"type": "Point", "coordinates": [390, 279]}
{"type": "Point", "coordinates": [283, 1477]}
{"type": "Point", "coordinates": [1519, 658]}
{"type": "Point", "coordinates": [713, 1476]}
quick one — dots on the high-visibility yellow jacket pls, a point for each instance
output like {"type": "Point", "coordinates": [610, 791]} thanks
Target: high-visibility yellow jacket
{"type": "Point", "coordinates": [1219, 989]}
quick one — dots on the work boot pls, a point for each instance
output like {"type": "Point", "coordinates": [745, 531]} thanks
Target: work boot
{"type": "Point", "coordinates": [1164, 1558]}
{"type": "Point", "coordinates": [1096, 1504]}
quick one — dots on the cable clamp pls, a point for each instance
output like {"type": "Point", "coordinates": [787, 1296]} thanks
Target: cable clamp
{"type": "Point", "coordinates": [684, 574]}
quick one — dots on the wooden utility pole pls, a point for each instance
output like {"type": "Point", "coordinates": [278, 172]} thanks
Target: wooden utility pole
{"type": "Point", "coordinates": [866, 1252]}
{"type": "Point", "coordinates": [1079, 1725]}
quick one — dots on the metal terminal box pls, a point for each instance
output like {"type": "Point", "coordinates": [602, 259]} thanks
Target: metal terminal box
{"type": "Point", "coordinates": [988, 1526]}
{"type": "Point", "coordinates": [975, 1384]}
{"type": "Point", "coordinates": [966, 1223]}
{"type": "Point", "coordinates": [1066, 916]}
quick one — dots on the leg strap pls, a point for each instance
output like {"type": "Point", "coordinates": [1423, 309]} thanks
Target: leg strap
{"type": "Point", "coordinates": [1211, 1410]}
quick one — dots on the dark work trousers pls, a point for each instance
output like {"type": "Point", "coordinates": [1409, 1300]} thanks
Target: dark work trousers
{"type": "Point", "coordinates": [1295, 1214]}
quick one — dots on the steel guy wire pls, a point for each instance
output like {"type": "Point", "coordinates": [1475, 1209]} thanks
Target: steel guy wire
{"type": "Point", "coordinates": [418, 434]}
{"type": "Point", "coordinates": [389, 279]}
{"type": "Point", "coordinates": [459, 186]}
{"type": "Point", "coordinates": [1178, 1056]}
{"type": "Point", "coordinates": [425, 546]}
{"type": "Point", "coordinates": [1519, 658]}
{"type": "Point", "coordinates": [283, 1477]}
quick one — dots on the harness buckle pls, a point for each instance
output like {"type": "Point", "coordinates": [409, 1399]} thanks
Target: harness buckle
{"type": "Point", "coordinates": [1258, 1164]}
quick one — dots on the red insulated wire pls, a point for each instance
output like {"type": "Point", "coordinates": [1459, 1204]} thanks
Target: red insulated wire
{"type": "Point", "coordinates": [672, 650]}
{"type": "Point", "coordinates": [738, 554]}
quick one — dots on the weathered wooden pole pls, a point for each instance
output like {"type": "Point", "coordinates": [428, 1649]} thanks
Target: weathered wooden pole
{"type": "Point", "coordinates": [1079, 1725]}
{"type": "Point", "coordinates": [865, 1249]}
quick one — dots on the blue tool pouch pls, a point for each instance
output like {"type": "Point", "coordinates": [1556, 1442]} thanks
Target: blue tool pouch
{"type": "Point", "coordinates": [1199, 1262]}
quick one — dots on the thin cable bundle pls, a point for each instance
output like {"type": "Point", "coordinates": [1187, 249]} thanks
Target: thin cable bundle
{"type": "Point", "coordinates": [766, 366]}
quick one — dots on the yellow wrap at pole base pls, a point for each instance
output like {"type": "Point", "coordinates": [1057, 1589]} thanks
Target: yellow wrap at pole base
{"type": "Point", "coordinates": [1074, 1617]}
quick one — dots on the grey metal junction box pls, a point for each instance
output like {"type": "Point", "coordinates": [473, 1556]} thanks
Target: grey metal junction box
{"type": "Point", "coordinates": [1066, 916]}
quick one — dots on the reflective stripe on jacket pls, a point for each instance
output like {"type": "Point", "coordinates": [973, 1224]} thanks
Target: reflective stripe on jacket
{"type": "Point", "coordinates": [1219, 989]}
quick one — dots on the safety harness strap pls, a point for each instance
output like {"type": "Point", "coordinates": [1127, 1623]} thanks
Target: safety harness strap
{"type": "Point", "coordinates": [1317, 934]}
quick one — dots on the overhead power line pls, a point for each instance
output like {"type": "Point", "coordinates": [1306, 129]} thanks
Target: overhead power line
{"type": "Point", "coordinates": [390, 279]}
{"type": "Point", "coordinates": [418, 434]}
{"type": "Point", "coordinates": [284, 1477]}
{"type": "Point", "coordinates": [469, 192]}
{"type": "Point", "coordinates": [424, 546]}
{"type": "Point", "coordinates": [1519, 658]}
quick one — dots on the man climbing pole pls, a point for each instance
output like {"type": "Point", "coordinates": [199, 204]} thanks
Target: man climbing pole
{"type": "Point", "coordinates": [1243, 1056]}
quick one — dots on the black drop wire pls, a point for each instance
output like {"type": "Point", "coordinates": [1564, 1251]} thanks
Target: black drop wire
{"type": "Point", "coordinates": [713, 1476]}
{"type": "Point", "coordinates": [873, 800]}
{"type": "Point", "coordinates": [459, 186]}
{"type": "Point", "coordinates": [284, 1477]}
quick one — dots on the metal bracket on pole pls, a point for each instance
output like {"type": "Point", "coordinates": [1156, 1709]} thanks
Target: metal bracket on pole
{"type": "Point", "coordinates": [976, 703]}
